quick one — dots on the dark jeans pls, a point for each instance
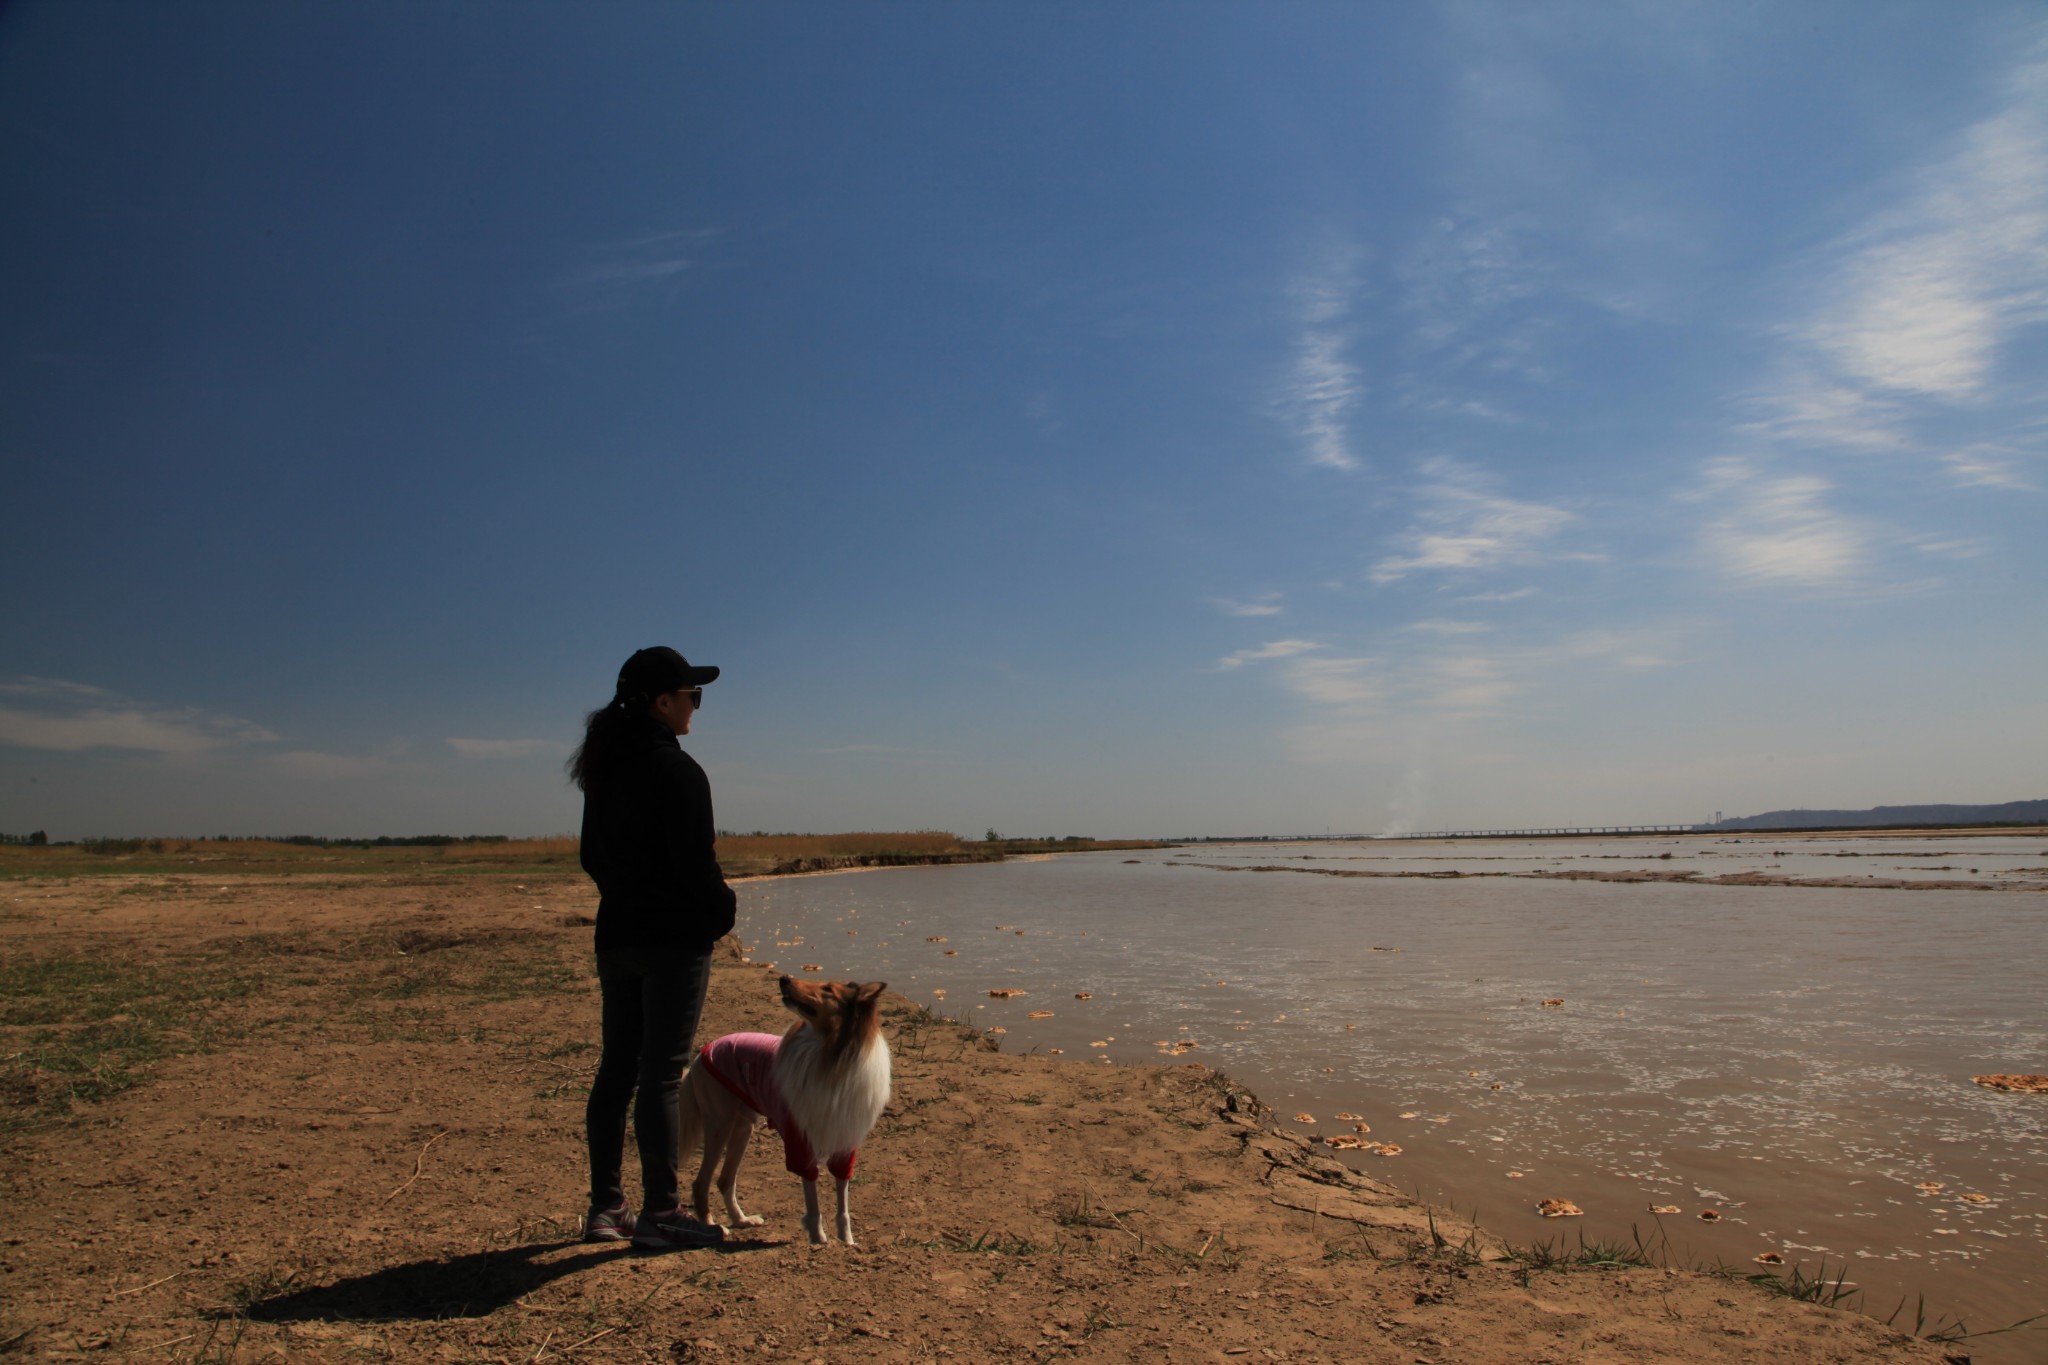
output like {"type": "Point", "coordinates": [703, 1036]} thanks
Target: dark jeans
{"type": "Point", "coordinates": [652, 1000]}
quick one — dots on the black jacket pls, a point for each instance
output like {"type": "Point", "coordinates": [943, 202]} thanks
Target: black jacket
{"type": "Point", "coordinates": [648, 843]}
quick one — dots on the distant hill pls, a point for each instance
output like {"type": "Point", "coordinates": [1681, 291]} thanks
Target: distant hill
{"type": "Point", "coordinates": [2010, 813]}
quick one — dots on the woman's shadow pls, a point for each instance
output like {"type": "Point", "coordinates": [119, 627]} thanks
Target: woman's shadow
{"type": "Point", "coordinates": [470, 1286]}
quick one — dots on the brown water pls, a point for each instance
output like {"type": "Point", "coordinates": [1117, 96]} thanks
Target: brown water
{"type": "Point", "coordinates": [1796, 1057]}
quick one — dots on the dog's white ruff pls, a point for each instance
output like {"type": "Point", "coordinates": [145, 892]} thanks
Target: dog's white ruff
{"type": "Point", "coordinates": [834, 1107]}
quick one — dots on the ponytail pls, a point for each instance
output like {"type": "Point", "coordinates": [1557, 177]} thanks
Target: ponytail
{"type": "Point", "coordinates": [602, 730]}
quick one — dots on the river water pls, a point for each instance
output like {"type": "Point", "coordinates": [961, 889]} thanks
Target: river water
{"type": "Point", "coordinates": [1794, 1056]}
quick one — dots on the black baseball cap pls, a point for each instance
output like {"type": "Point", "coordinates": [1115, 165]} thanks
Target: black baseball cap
{"type": "Point", "coordinates": [659, 669]}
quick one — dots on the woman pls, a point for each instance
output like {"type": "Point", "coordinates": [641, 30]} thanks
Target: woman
{"type": "Point", "coordinates": [662, 903]}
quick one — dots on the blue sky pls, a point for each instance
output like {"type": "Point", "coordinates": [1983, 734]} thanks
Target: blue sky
{"type": "Point", "coordinates": [1134, 419]}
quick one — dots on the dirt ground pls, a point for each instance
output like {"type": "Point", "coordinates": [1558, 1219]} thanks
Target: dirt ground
{"type": "Point", "coordinates": [302, 1117]}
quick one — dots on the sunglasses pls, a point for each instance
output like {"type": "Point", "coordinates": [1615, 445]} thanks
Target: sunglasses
{"type": "Point", "coordinates": [696, 696]}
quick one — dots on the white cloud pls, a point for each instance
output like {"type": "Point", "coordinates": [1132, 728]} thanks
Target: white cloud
{"type": "Point", "coordinates": [53, 714]}
{"type": "Point", "coordinates": [1964, 548]}
{"type": "Point", "coordinates": [1915, 310]}
{"type": "Point", "coordinates": [1811, 409]}
{"type": "Point", "coordinates": [616, 272]}
{"type": "Point", "coordinates": [1277, 649]}
{"type": "Point", "coordinates": [1463, 270]}
{"type": "Point", "coordinates": [1462, 526]}
{"type": "Point", "coordinates": [1467, 682]}
{"type": "Point", "coordinates": [504, 748]}
{"type": "Point", "coordinates": [1441, 626]}
{"type": "Point", "coordinates": [1367, 698]}
{"type": "Point", "coordinates": [1515, 595]}
{"type": "Point", "coordinates": [1348, 684]}
{"type": "Point", "coordinates": [56, 689]}
{"type": "Point", "coordinates": [1267, 605]}
{"type": "Point", "coordinates": [1322, 388]}
{"type": "Point", "coordinates": [1777, 531]}
{"type": "Point", "coordinates": [1988, 466]}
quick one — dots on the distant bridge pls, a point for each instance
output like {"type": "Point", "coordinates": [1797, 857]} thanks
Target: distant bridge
{"type": "Point", "coordinates": [1572, 830]}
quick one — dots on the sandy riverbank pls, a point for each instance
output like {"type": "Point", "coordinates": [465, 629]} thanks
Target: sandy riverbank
{"type": "Point", "coordinates": [343, 1117]}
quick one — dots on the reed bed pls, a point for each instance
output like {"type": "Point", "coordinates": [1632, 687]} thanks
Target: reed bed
{"type": "Point", "coordinates": [784, 848]}
{"type": "Point", "coordinates": [741, 855]}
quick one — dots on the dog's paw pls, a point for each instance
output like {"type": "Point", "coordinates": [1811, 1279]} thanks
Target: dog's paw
{"type": "Point", "coordinates": [747, 1220]}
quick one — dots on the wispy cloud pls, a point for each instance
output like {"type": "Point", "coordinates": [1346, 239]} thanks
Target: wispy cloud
{"type": "Point", "coordinates": [1776, 530]}
{"type": "Point", "coordinates": [1990, 466]}
{"type": "Point", "coordinates": [615, 272]}
{"type": "Point", "coordinates": [1444, 626]}
{"type": "Point", "coordinates": [53, 714]}
{"type": "Point", "coordinates": [1277, 649]}
{"type": "Point", "coordinates": [504, 748]}
{"type": "Point", "coordinates": [1322, 388]}
{"type": "Point", "coordinates": [1358, 705]}
{"type": "Point", "coordinates": [1811, 408]}
{"type": "Point", "coordinates": [1916, 310]}
{"type": "Point", "coordinates": [1964, 547]}
{"type": "Point", "coordinates": [1462, 525]}
{"type": "Point", "coordinates": [1351, 685]}
{"type": "Point", "coordinates": [1469, 682]}
{"type": "Point", "coordinates": [1266, 605]}
{"type": "Point", "coordinates": [1462, 271]}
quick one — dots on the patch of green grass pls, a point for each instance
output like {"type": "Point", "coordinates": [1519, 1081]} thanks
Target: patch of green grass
{"type": "Point", "coordinates": [1816, 1287]}
{"type": "Point", "coordinates": [1952, 1331]}
{"type": "Point", "coordinates": [1082, 1213]}
{"type": "Point", "coordinates": [999, 1243]}
{"type": "Point", "coordinates": [1564, 1254]}
{"type": "Point", "coordinates": [253, 1289]}
{"type": "Point", "coordinates": [411, 963]}
{"type": "Point", "coordinates": [510, 977]}
{"type": "Point", "coordinates": [217, 1342]}
{"type": "Point", "coordinates": [80, 1028]}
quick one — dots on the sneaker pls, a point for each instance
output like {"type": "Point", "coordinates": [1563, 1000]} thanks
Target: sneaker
{"type": "Point", "coordinates": [674, 1230]}
{"type": "Point", "coordinates": [614, 1224]}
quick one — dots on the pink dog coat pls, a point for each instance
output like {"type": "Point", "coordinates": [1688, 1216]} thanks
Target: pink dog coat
{"type": "Point", "coordinates": [744, 1063]}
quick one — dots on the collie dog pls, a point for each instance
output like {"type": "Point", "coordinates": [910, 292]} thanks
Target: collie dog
{"type": "Point", "coordinates": [821, 1086]}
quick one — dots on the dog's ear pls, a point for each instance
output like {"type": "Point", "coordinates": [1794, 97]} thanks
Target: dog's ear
{"type": "Point", "coordinates": [871, 991]}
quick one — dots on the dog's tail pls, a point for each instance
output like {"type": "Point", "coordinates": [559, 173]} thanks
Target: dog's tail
{"type": "Point", "coordinates": [689, 1118]}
